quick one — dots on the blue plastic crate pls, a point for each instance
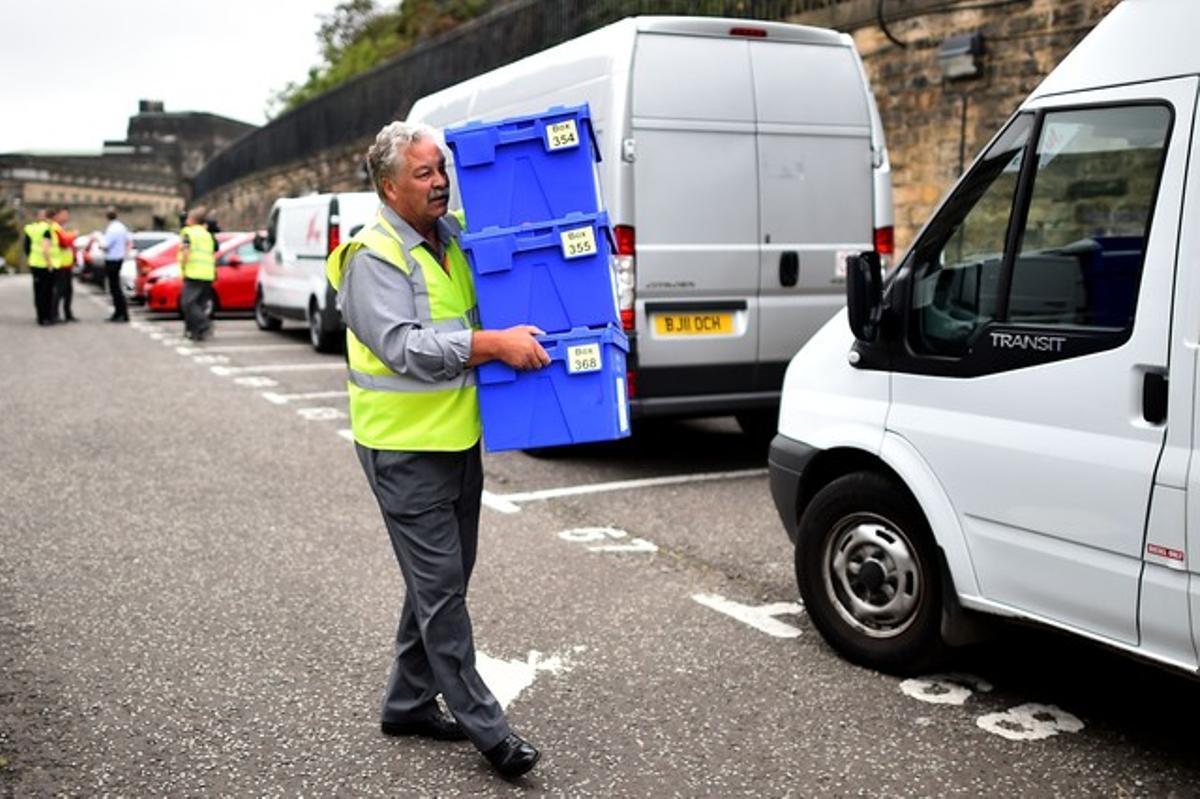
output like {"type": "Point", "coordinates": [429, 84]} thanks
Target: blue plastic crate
{"type": "Point", "coordinates": [580, 397]}
{"type": "Point", "coordinates": [526, 169]}
{"type": "Point", "coordinates": [557, 276]}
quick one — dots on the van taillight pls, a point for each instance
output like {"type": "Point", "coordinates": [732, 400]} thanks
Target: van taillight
{"type": "Point", "coordinates": [626, 263]}
{"type": "Point", "coordinates": [335, 234]}
{"type": "Point", "coordinates": [631, 384]}
{"type": "Point", "coordinates": [885, 240]}
{"type": "Point", "coordinates": [754, 33]}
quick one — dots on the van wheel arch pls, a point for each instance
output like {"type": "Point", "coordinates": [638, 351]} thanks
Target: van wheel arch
{"type": "Point", "coordinates": [959, 626]}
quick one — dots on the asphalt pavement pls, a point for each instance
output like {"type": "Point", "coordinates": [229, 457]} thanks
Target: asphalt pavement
{"type": "Point", "coordinates": [197, 598]}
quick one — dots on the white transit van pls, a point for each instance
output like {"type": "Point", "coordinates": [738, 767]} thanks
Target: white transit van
{"type": "Point", "coordinates": [741, 160]}
{"type": "Point", "coordinates": [301, 232]}
{"type": "Point", "coordinates": [1009, 422]}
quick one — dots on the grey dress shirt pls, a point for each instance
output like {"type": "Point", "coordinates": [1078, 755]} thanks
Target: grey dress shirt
{"type": "Point", "coordinates": [378, 305]}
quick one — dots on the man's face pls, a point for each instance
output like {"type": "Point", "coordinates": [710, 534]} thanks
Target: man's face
{"type": "Point", "coordinates": [419, 189]}
{"type": "Point", "coordinates": [61, 217]}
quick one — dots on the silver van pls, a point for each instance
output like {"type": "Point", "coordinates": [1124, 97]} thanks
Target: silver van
{"type": "Point", "coordinates": [741, 162]}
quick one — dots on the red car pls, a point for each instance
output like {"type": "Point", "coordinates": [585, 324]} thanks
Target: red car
{"type": "Point", "coordinates": [233, 290]}
{"type": "Point", "coordinates": [163, 254]}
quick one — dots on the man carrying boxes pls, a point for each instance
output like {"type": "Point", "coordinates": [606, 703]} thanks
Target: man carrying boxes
{"type": "Point", "coordinates": [413, 340]}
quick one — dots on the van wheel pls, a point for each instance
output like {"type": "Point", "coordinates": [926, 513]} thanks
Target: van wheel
{"type": "Point", "coordinates": [868, 572]}
{"type": "Point", "coordinates": [322, 340]}
{"type": "Point", "coordinates": [263, 319]}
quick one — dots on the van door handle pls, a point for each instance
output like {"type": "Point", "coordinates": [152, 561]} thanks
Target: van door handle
{"type": "Point", "coordinates": [789, 268]}
{"type": "Point", "coordinates": [1154, 397]}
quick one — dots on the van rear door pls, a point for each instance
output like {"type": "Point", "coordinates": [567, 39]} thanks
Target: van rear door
{"type": "Point", "coordinates": [815, 190]}
{"type": "Point", "coordinates": [696, 215]}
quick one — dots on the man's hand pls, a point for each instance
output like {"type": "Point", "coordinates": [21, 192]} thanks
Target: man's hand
{"type": "Point", "coordinates": [515, 346]}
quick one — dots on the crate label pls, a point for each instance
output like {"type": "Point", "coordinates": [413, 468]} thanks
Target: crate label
{"type": "Point", "coordinates": [562, 135]}
{"type": "Point", "coordinates": [583, 358]}
{"type": "Point", "coordinates": [579, 242]}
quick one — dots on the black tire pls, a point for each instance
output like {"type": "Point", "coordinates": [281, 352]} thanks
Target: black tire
{"type": "Point", "coordinates": [322, 339]}
{"type": "Point", "coordinates": [869, 574]}
{"type": "Point", "coordinates": [263, 319]}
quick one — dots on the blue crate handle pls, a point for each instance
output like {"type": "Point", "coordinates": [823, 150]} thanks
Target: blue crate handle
{"type": "Point", "coordinates": [556, 346]}
{"type": "Point", "coordinates": [475, 143]}
{"type": "Point", "coordinates": [493, 248]}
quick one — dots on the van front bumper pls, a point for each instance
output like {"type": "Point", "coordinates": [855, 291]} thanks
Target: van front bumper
{"type": "Point", "coordinates": [786, 461]}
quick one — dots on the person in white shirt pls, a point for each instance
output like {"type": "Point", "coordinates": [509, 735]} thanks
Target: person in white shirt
{"type": "Point", "coordinates": [117, 244]}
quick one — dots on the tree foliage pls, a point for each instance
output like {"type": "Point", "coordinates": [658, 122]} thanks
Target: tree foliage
{"type": "Point", "coordinates": [358, 35]}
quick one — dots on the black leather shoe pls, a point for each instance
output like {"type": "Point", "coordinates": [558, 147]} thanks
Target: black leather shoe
{"type": "Point", "coordinates": [439, 726]}
{"type": "Point", "coordinates": [513, 756]}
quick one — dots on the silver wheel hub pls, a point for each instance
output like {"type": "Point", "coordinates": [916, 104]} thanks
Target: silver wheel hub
{"type": "Point", "coordinates": [872, 576]}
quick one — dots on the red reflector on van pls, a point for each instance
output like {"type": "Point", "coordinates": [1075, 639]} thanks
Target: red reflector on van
{"type": "Point", "coordinates": [625, 239]}
{"type": "Point", "coordinates": [335, 236]}
{"type": "Point", "coordinates": [627, 320]}
{"type": "Point", "coordinates": [885, 240]}
{"type": "Point", "coordinates": [631, 383]}
{"type": "Point", "coordinates": [756, 33]}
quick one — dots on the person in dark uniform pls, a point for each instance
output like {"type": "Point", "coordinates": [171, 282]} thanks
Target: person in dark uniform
{"type": "Point", "coordinates": [63, 266]}
{"type": "Point", "coordinates": [38, 240]}
{"type": "Point", "coordinates": [197, 249]}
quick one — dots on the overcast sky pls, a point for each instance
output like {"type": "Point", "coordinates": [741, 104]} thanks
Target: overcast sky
{"type": "Point", "coordinates": [72, 71]}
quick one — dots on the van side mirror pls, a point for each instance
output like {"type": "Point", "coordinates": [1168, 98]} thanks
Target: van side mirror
{"type": "Point", "coordinates": [864, 294]}
{"type": "Point", "coordinates": [260, 243]}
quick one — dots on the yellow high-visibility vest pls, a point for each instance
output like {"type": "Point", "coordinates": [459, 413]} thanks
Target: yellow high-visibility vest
{"type": "Point", "coordinates": [36, 231]}
{"type": "Point", "coordinates": [61, 256]}
{"type": "Point", "coordinates": [390, 411]}
{"type": "Point", "coordinates": [200, 264]}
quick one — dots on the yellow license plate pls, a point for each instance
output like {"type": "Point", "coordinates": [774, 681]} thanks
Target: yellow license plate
{"type": "Point", "coordinates": [693, 324]}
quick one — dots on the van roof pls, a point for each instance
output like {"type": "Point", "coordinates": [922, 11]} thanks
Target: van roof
{"type": "Point", "coordinates": [723, 27]}
{"type": "Point", "coordinates": [1139, 40]}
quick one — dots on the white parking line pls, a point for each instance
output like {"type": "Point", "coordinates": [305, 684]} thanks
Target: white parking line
{"type": "Point", "coordinates": [349, 436]}
{"type": "Point", "coordinates": [225, 371]}
{"type": "Point", "coordinates": [761, 617]}
{"type": "Point", "coordinates": [624, 485]}
{"type": "Point", "coordinates": [284, 399]}
{"type": "Point", "coordinates": [238, 348]}
{"type": "Point", "coordinates": [494, 501]}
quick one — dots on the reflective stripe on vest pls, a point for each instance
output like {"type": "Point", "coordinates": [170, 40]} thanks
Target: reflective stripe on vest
{"type": "Point", "coordinates": [201, 245]}
{"type": "Point", "coordinates": [61, 256]}
{"type": "Point", "coordinates": [392, 411]}
{"type": "Point", "coordinates": [36, 231]}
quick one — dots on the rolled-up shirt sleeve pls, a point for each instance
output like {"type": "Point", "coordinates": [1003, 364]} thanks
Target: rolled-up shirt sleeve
{"type": "Point", "coordinates": [379, 306]}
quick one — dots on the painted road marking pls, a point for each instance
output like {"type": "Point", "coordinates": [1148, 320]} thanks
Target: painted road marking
{"type": "Point", "coordinates": [624, 485]}
{"type": "Point", "coordinates": [320, 414]}
{"type": "Point", "coordinates": [760, 617]}
{"type": "Point", "coordinates": [226, 371]}
{"type": "Point", "coordinates": [205, 360]}
{"type": "Point", "coordinates": [1029, 722]}
{"type": "Point", "coordinates": [284, 399]}
{"type": "Point", "coordinates": [495, 502]}
{"type": "Point", "coordinates": [592, 535]}
{"type": "Point", "coordinates": [508, 678]}
{"type": "Point", "coordinates": [945, 689]}
{"type": "Point", "coordinates": [255, 382]}
{"type": "Point", "coordinates": [238, 348]}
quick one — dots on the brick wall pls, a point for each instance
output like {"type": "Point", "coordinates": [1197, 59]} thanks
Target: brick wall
{"type": "Point", "coordinates": [922, 114]}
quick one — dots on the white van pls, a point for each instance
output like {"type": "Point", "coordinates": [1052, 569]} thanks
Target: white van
{"type": "Point", "coordinates": [301, 232]}
{"type": "Point", "coordinates": [1012, 425]}
{"type": "Point", "coordinates": [740, 161]}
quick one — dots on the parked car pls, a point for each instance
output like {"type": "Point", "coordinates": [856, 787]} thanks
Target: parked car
{"type": "Point", "coordinates": [740, 160]}
{"type": "Point", "coordinates": [234, 289]}
{"type": "Point", "coordinates": [143, 242]}
{"type": "Point", "coordinates": [301, 232]}
{"type": "Point", "coordinates": [89, 257]}
{"type": "Point", "coordinates": [1008, 427]}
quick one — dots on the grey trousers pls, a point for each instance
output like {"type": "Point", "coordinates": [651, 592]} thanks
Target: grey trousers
{"type": "Point", "coordinates": [430, 503]}
{"type": "Point", "coordinates": [193, 301]}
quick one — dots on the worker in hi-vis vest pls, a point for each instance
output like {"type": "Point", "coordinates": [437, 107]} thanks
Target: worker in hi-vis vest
{"type": "Point", "coordinates": [38, 244]}
{"type": "Point", "coordinates": [62, 265]}
{"type": "Point", "coordinates": [412, 339]}
{"type": "Point", "coordinates": [197, 268]}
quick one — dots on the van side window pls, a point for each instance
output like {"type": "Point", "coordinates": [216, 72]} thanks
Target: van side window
{"type": "Point", "coordinates": [1078, 227]}
{"type": "Point", "coordinates": [272, 229]}
{"type": "Point", "coordinates": [958, 262]}
{"type": "Point", "coordinates": [1084, 237]}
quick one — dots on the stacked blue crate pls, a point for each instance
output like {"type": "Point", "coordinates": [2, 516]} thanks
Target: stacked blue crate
{"type": "Point", "coordinates": [539, 245]}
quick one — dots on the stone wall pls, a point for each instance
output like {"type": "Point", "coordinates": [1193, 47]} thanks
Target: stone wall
{"type": "Point", "coordinates": [922, 113]}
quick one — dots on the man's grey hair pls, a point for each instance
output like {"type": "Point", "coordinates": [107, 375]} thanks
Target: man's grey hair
{"type": "Point", "coordinates": [390, 145]}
